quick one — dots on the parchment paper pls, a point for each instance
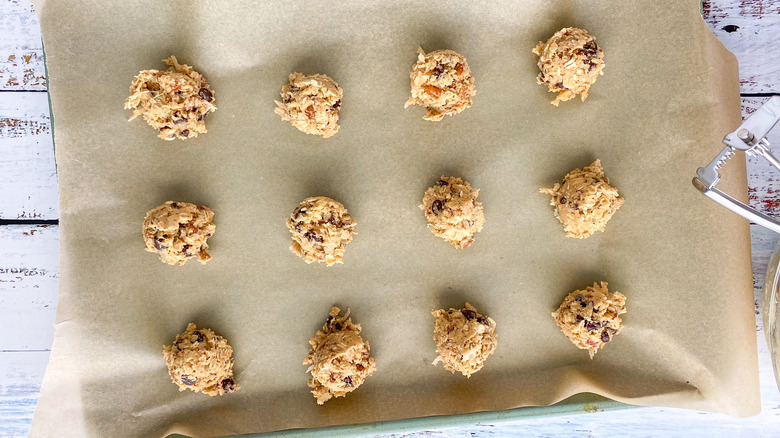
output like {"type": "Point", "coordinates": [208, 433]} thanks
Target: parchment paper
{"type": "Point", "coordinates": [668, 95]}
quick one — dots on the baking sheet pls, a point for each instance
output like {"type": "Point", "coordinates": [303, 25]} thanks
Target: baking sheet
{"type": "Point", "coordinates": [669, 93]}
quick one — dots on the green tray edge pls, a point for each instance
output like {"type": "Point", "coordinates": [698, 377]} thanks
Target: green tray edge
{"type": "Point", "coordinates": [584, 403]}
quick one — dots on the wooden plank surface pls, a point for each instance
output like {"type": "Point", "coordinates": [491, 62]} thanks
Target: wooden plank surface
{"type": "Point", "coordinates": [750, 29]}
{"type": "Point", "coordinates": [21, 374]}
{"type": "Point", "coordinates": [29, 275]}
{"type": "Point", "coordinates": [29, 253]}
{"type": "Point", "coordinates": [28, 177]}
{"type": "Point", "coordinates": [21, 53]}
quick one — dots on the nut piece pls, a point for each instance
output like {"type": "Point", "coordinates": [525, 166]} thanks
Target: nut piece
{"type": "Point", "coordinates": [201, 361]}
{"type": "Point", "coordinates": [311, 104]}
{"type": "Point", "coordinates": [591, 317]}
{"type": "Point", "coordinates": [442, 83]}
{"type": "Point", "coordinates": [570, 62]}
{"type": "Point", "coordinates": [339, 360]}
{"type": "Point", "coordinates": [464, 339]}
{"type": "Point", "coordinates": [174, 101]}
{"type": "Point", "coordinates": [452, 211]}
{"type": "Point", "coordinates": [585, 201]}
{"type": "Point", "coordinates": [321, 228]}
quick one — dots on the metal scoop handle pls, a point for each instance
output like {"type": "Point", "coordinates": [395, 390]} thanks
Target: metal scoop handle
{"type": "Point", "coordinates": [750, 137]}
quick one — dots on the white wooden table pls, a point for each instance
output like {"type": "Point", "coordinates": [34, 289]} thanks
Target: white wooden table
{"type": "Point", "coordinates": [29, 237]}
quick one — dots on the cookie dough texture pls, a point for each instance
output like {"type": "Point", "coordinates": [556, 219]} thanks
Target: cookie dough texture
{"type": "Point", "coordinates": [442, 83]}
{"type": "Point", "coordinates": [177, 232]}
{"type": "Point", "coordinates": [174, 101]}
{"type": "Point", "coordinates": [452, 211]}
{"type": "Point", "coordinates": [321, 229]}
{"type": "Point", "coordinates": [591, 317]}
{"type": "Point", "coordinates": [464, 339]}
{"type": "Point", "coordinates": [339, 360]}
{"type": "Point", "coordinates": [570, 62]}
{"type": "Point", "coordinates": [585, 201]}
{"type": "Point", "coordinates": [311, 104]}
{"type": "Point", "coordinates": [201, 361]}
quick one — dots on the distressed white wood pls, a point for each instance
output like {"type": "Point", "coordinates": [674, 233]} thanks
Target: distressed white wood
{"type": "Point", "coordinates": [28, 178]}
{"type": "Point", "coordinates": [21, 374]}
{"type": "Point", "coordinates": [29, 275]}
{"type": "Point", "coordinates": [750, 29]}
{"type": "Point", "coordinates": [29, 263]}
{"type": "Point", "coordinates": [21, 53]}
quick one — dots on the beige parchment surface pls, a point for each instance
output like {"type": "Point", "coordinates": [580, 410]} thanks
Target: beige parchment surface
{"type": "Point", "coordinates": [668, 95]}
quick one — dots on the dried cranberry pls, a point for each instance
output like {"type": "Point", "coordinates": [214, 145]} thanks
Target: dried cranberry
{"type": "Point", "coordinates": [605, 336]}
{"type": "Point", "coordinates": [592, 326]}
{"type": "Point", "coordinates": [334, 221]}
{"type": "Point", "coordinates": [199, 335]}
{"type": "Point", "coordinates": [469, 314]}
{"type": "Point", "coordinates": [437, 206]}
{"type": "Point", "coordinates": [313, 237]}
{"type": "Point", "coordinates": [442, 183]}
{"type": "Point", "coordinates": [205, 94]}
{"type": "Point", "coordinates": [228, 385]}
{"type": "Point", "coordinates": [348, 381]}
{"type": "Point", "coordinates": [188, 380]}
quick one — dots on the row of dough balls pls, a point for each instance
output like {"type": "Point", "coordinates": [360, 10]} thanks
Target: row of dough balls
{"type": "Point", "coordinates": [322, 227]}
{"type": "Point", "coordinates": [340, 360]}
{"type": "Point", "coordinates": [175, 101]}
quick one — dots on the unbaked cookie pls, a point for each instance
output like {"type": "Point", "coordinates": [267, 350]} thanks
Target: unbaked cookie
{"type": "Point", "coordinates": [174, 101]}
{"type": "Point", "coordinates": [464, 339]}
{"type": "Point", "coordinates": [177, 232]}
{"type": "Point", "coordinates": [321, 228]}
{"type": "Point", "coordinates": [591, 317]}
{"type": "Point", "coordinates": [585, 201]}
{"type": "Point", "coordinates": [442, 83]}
{"type": "Point", "coordinates": [570, 62]}
{"type": "Point", "coordinates": [339, 360]}
{"type": "Point", "coordinates": [201, 361]}
{"type": "Point", "coordinates": [452, 211]}
{"type": "Point", "coordinates": [311, 104]}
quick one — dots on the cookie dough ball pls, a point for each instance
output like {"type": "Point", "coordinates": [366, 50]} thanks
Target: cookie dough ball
{"type": "Point", "coordinates": [570, 62]}
{"type": "Point", "coordinates": [311, 104]}
{"type": "Point", "coordinates": [452, 211]}
{"type": "Point", "coordinates": [201, 361]}
{"type": "Point", "coordinates": [339, 360]}
{"type": "Point", "coordinates": [321, 228]}
{"type": "Point", "coordinates": [591, 317]}
{"type": "Point", "coordinates": [464, 339]}
{"type": "Point", "coordinates": [173, 102]}
{"type": "Point", "coordinates": [442, 83]}
{"type": "Point", "coordinates": [177, 232]}
{"type": "Point", "coordinates": [585, 201]}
